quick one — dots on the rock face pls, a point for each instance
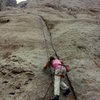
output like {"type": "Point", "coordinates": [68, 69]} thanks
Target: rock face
{"type": "Point", "coordinates": [23, 53]}
{"type": "Point", "coordinates": [86, 4]}
{"type": "Point", "coordinates": [11, 3]}
{"type": "Point", "coordinates": [22, 4]}
{"type": "Point", "coordinates": [5, 3]}
{"type": "Point", "coordinates": [2, 4]}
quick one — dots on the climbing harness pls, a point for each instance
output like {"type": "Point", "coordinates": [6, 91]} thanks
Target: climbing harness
{"type": "Point", "coordinates": [69, 82]}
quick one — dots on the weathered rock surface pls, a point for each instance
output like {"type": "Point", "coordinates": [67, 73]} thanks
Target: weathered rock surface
{"type": "Point", "coordinates": [76, 37]}
{"type": "Point", "coordinates": [86, 4]}
{"type": "Point", "coordinates": [11, 3]}
{"type": "Point", "coordinates": [5, 3]}
{"type": "Point", "coordinates": [2, 4]}
{"type": "Point", "coordinates": [22, 4]}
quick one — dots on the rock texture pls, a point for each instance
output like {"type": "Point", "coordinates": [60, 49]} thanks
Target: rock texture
{"type": "Point", "coordinates": [22, 4]}
{"type": "Point", "coordinates": [86, 4]}
{"type": "Point", "coordinates": [2, 4]}
{"type": "Point", "coordinates": [5, 3]}
{"type": "Point", "coordinates": [76, 37]}
{"type": "Point", "coordinates": [11, 3]}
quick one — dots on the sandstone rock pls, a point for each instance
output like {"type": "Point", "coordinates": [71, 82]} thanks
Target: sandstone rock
{"type": "Point", "coordinates": [23, 51]}
{"type": "Point", "coordinates": [85, 4]}
{"type": "Point", "coordinates": [4, 20]}
{"type": "Point", "coordinates": [22, 4]}
{"type": "Point", "coordinates": [5, 3]}
{"type": "Point", "coordinates": [11, 3]}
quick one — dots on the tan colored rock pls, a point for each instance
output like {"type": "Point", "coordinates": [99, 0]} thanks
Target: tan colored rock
{"type": "Point", "coordinates": [5, 3]}
{"type": "Point", "coordinates": [23, 53]}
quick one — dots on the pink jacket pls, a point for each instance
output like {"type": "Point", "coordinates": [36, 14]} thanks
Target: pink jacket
{"type": "Point", "coordinates": [57, 64]}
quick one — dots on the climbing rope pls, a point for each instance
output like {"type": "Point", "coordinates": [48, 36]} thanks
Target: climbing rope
{"type": "Point", "coordinates": [50, 35]}
{"type": "Point", "coordinates": [46, 45]}
{"type": "Point", "coordinates": [69, 82]}
{"type": "Point", "coordinates": [48, 55]}
{"type": "Point", "coordinates": [47, 50]}
{"type": "Point", "coordinates": [47, 90]}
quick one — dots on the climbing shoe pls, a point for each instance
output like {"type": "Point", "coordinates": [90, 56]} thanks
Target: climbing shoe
{"type": "Point", "coordinates": [67, 92]}
{"type": "Point", "coordinates": [55, 98]}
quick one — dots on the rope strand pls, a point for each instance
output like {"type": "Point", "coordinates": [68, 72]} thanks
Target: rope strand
{"type": "Point", "coordinates": [69, 82]}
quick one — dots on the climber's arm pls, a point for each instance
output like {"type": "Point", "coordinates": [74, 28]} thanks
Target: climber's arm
{"type": "Point", "coordinates": [47, 65]}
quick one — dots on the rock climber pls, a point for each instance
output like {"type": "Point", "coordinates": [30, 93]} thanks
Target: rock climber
{"type": "Point", "coordinates": [59, 74]}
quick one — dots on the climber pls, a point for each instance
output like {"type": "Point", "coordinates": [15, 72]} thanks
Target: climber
{"type": "Point", "coordinates": [59, 74]}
